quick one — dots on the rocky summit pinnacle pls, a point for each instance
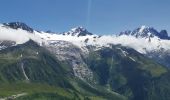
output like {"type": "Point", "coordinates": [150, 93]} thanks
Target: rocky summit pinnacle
{"type": "Point", "coordinates": [78, 31]}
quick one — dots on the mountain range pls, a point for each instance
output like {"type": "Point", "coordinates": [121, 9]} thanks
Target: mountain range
{"type": "Point", "coordinates": [80, 65]}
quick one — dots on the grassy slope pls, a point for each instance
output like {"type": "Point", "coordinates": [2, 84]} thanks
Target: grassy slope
{"type": "Point", "coordinates": [142, 79]}
{"type": "Point", "coordinates": [48, 78]}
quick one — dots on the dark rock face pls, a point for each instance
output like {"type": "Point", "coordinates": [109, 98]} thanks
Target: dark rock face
{"type": "Point", "coordinates": [164, 34]}
{"type": "Point", "coordinates": [17, 25]}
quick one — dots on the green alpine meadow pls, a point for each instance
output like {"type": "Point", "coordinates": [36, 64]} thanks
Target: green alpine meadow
{"type": "Point", "coordinates": [30, 72]}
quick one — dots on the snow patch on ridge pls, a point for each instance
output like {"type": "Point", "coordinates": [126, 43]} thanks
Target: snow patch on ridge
{"type": "Point", "coordinates": [25, 75]}
{"type": "Point", "coordinates": [132, 59]}
{"type": "Point", "coordinates": [124, 52]}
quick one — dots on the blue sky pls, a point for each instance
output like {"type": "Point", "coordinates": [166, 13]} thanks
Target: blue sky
{"type": "Point", "coordinates": [98, 16]}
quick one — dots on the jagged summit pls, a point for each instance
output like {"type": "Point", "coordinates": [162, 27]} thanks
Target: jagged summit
{"type": "Point", "coordinates": [19, 25]}
{"type": "Point", "coordinates": [146, 32]}
{"type": "Point", "coordinates": [78, 31]}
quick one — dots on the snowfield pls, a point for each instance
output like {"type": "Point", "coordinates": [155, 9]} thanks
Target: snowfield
{"type": "Point", "coordinates": [142, 45]}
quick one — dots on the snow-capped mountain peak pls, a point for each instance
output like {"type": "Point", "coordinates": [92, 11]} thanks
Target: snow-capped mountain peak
{"type": "Point", "coordinates": [142, 28]}
{"type": "Point", "coordinates": [79, 28]}
{"type": "Point", "coordinates": [78, 31]}
{"type": "Point", "coordinates": [144, 32]}
{"type": "Point", "coordinates": [147, 32]}
{"type": "Point", "coordinates": [18, 25]}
